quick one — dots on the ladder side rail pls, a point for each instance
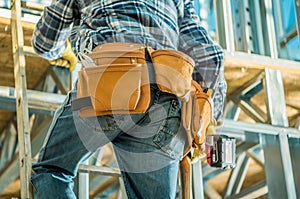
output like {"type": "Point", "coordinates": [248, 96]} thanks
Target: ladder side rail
{"type": "Point", "coordinates": [21, 99]}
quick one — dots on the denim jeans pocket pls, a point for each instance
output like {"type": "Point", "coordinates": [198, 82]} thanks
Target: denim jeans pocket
{"type": "Point", "coordinates": [166, 138]}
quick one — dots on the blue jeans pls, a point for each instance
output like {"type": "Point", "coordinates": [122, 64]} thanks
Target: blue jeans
{"type": "Point", "coordinates": [148, 148]}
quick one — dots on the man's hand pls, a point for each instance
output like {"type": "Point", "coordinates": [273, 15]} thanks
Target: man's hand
{"type": "Point", "coordinates": [68, 59]}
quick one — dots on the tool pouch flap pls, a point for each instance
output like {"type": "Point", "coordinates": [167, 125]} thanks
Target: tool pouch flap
{"type": "Point", "coordinates": [118, 53]}
{"type": "Point", "coordinates": [173, 71]}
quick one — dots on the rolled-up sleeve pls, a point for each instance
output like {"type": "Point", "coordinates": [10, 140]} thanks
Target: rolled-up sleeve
{"type": "Point", "coordinates": [53, 29]}
{"type": "Point", "coordinates": [208, 56]}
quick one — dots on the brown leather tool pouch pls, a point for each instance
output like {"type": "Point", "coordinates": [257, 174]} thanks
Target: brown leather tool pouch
{"type": "Point", "coordinates": [203, 114]}
{"type": "Point", "coordinates": [197, 115]}
{"type": "Point", "coordinates": [173, 70]}
{"type": "Point", "coordinates": [117, 84]}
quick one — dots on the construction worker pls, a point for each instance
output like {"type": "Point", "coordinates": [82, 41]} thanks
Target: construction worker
{"type": "Point", "coordinates": [148, 146]}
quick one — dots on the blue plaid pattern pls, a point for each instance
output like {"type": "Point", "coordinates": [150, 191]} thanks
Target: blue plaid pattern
{"type": "Point", "coordinates": [157, 23]}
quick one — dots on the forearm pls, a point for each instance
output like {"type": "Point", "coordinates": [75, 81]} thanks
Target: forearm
{"type": "Point", "coordinates": [53, 29]}
{"type": "Point", "coordinates": [208, 56]}
{"type": "Point", "coordinates": [209, 73]}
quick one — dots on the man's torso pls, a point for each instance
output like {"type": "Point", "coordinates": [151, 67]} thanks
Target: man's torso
{"type": "Point", "coordinates": [149, 22]}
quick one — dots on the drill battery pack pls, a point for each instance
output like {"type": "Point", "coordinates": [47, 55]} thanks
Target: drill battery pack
{"type": "Point", "coordinates": [220, 151]}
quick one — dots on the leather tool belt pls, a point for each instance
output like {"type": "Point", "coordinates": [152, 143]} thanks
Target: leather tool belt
{"type": "Point", "coordinates": [114, 79]}
{"type": "Point", "coordinates": [117, 80]}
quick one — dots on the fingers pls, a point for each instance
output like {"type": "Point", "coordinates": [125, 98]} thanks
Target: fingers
{"type": "Point", "coordinates": [70, 57]}
{"type": "Point", "coordinates": [59, 62]}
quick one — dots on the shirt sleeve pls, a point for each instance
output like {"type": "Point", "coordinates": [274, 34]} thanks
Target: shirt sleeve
{"type": "Point", "coordinates": [208, 56]}
{"type": "Point", "coordinates": [53, 29]}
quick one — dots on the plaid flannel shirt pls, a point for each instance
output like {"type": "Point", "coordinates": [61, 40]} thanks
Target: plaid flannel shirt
{"type": "Point", "coordinates": [157, 23]}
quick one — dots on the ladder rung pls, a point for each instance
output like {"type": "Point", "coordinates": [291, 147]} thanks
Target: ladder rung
{"type": "Point", "coordinates": [101, 170]}
{"type": "Point", "coordinates": [28, 51]}
{"type": "Point", "coordinates": [32, 6]}
{"type": "Point", "coordinates": [254, 61]}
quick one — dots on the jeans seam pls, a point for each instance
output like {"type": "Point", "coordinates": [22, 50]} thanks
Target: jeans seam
{"type": "Point", "coordinates": [50, 131]}
{"type": "Point", "coordinates": [124, 177]}
{"type": "Point", "coordinates": [126, 184]}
